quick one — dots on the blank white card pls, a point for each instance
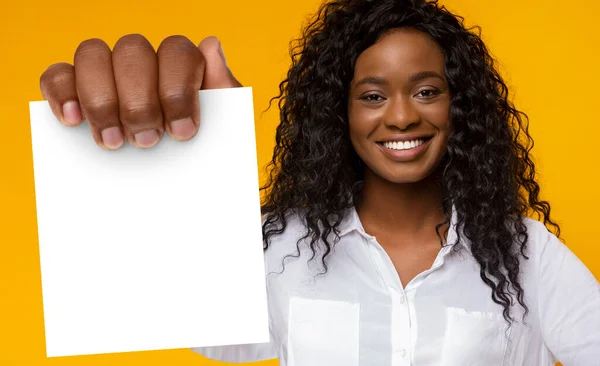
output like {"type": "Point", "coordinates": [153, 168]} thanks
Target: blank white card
{"type": "Point", "coordinates": [151, 249]}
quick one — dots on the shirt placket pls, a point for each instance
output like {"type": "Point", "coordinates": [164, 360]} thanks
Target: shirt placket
{"type": "Point", "coordinates": [402, 301]}
{"type": "Point", "coordinates": [400, 316]}
{"type": "Point", "coordinates": [401, 328]}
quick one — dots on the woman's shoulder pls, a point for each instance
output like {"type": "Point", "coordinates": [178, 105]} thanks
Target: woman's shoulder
{"type": "Point", "coordinates": [549, 256]}
{"type": "Point", "coordinates": [540, 239]}
{"type": "Point", "coordinates": [293, 224]}
{"type": "Point", "coordinates": [283, 235]}
{"type": "Point", "coordinates": [288, 248]}
{"type": "Point", "coordinates": [561, 287]}
{"type": "Point", "coordinates": [537, 232]}
{"type": "Point", "coordinates": [292, 241]}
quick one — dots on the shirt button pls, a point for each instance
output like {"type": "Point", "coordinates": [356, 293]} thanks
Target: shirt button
{"type": "Point", "coordinates": [402, 353]}
{"type": "Point", "coordinates": [402, 300]}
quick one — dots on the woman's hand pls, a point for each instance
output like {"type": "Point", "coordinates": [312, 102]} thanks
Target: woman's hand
{"type": "Point", "coordinates": [133, 92]}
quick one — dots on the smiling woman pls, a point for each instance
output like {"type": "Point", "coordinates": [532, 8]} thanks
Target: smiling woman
{"type": "Point", "coordinates": [399, 94]}
{"type": "Point", "coordinates": [396, 218]}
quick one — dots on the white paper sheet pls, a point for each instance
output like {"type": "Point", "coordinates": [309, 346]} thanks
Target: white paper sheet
{"type": "Point", "coordinates": [151, 249]}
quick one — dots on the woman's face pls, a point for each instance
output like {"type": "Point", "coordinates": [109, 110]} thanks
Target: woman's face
{"type": "Point", "coordinates": [399, 106]}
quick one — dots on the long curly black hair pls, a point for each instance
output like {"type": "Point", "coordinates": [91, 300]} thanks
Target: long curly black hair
{"type": "Point", "coordinates": [488, 174]}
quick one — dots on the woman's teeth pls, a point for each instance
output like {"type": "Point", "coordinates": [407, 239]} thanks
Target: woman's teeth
{"type": "Point", "coordinates": [399, 145]}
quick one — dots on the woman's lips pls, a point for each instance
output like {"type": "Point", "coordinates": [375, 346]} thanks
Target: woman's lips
{"type": "Point", "coordinates": [404, 151]}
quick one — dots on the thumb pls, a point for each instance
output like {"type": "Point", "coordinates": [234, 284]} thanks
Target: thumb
{"type": "Point", "coordinates": [216, 73]}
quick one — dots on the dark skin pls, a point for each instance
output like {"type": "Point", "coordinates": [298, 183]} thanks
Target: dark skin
{"type": "Point", "coordinates": [412, 245]}
{"type": "Point", "coordinates": [406, 95]}
{"type": "Point", "coordinates": [136, 94]}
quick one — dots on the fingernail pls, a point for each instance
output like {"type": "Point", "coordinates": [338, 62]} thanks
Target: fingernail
{"type": "Point", "coordinates": [72, 113]}
{"type": "Point", "coordinates": [112, 138]}
{"type": "Point", "coordinates": [146, 139]}
{"type": "Point", "coordinates": [183, 129]}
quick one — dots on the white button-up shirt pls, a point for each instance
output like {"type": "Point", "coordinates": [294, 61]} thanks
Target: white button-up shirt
{"type": "Point", "coordinates": [359, 314]}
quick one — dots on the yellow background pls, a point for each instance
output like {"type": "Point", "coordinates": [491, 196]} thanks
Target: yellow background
{"type": "Point", "coordinates": [548, 52]}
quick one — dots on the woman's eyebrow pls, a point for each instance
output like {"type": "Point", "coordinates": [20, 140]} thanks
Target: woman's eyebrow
{"type": "Point", "coordinates": [377, 80]}
{"type": "Point", "coordinates": [425, 75]}
{"type": "Point", "coordinates": [372, 80]}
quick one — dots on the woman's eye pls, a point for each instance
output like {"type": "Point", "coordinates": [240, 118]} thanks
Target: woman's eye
{"type": "Point", "coordinates": [372, 98]}
{"type": "Point", "coordinates": [428, 93]}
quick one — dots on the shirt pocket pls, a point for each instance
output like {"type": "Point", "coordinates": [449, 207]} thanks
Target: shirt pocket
{"type": "Point", "coordinates": [474, 338]}
{"type": "Point", "coordinates": [323, 333]}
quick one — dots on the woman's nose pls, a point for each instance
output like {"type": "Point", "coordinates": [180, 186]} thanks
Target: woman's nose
{"type": "Point", "coordinates": [401, 113]}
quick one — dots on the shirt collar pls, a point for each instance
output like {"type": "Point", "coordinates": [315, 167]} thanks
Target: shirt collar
{"type": "Point", "coordinates": [351, 222]}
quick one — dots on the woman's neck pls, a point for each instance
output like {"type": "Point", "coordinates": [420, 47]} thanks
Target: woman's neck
{"type": "Point", "coordinates": [403, 210]}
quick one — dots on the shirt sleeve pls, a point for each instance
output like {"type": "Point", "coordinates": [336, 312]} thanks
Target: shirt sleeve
{"type": "Point", "coordinates": [239, 353]}
{"type": "Point", "coordinates": [569, 305]}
